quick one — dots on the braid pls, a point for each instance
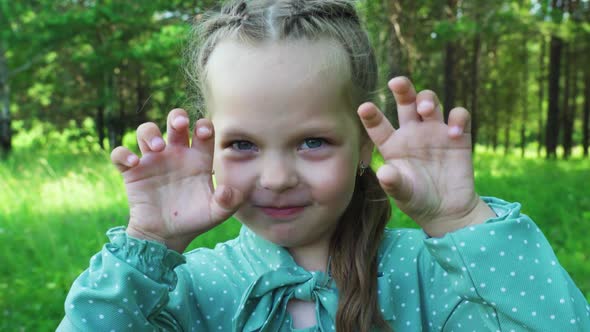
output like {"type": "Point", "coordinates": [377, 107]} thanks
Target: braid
{"type": "Point", "coordinates": [314, 13]}
{"type": "Point", "coordinates": [354, 252]}
{"type": "Point", "coordinates": [231, 16]}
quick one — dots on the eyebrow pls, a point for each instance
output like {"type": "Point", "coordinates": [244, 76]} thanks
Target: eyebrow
{"type": "Point", "coordinates": [311, 130]}
{"type": "Point", "coordinates": [234, 131]}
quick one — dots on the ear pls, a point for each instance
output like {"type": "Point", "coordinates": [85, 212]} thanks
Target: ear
{"type": "Point", "coordinates": [366, 153]}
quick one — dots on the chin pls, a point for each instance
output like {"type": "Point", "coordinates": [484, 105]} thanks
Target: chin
{"type": "Point", "coordinates": [282, 234]}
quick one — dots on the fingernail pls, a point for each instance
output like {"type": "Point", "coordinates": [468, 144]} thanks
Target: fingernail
{"type": "Point", "coordinates": [180, 121]}
{"type": "Point", "coordinates": [392, 80]}
{"type": "Point", "coordinates": [157, 142]}
{"type": "Point", "coordinates": [203, 131]}
{"type": "Point", "coordinates": [425, 106]}
{"type": "Point", "coordinates": [131, 160]}
{"type": "Point", "coordinates": [455, 131]}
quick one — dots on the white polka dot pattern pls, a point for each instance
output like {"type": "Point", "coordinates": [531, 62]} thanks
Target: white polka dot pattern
{"type": "Point", "coordinates": [498, 276]}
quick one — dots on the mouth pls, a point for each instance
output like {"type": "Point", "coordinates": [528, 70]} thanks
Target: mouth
{"type": "Point", "coordinates": [285, 213]}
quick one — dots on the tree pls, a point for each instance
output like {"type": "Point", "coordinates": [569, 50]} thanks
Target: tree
{"type": "Point", "coordinates": [5, 121]}
{"type": "Point", "coordinates": [450, 63]}
{"type": "Point", "coordinates": [556, 45]}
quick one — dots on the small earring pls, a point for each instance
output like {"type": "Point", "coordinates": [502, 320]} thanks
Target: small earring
{"type": "Point", "coordinates": [362, 168]}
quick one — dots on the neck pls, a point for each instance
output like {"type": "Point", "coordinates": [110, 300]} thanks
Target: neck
{"type": "Point", "coordinates": [313, 257]}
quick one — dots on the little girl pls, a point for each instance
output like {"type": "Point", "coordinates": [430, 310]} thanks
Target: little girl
{"type": "Point", "coordinates": [281, 81]}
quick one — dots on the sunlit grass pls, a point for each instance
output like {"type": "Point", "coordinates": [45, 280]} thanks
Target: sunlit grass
{"type": "Point", "coordinates": [56, 208]}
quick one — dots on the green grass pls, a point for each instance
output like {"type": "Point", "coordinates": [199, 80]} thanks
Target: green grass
{"type": "Point", "coordinates": [56, 208]}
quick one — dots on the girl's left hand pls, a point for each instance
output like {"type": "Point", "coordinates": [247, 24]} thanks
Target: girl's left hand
{"type": "Point", "coordinates": [428, 168]}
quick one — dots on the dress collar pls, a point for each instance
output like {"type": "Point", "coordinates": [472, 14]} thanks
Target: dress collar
{"type": "Point", "coordinates": [277, 279]}
{"type": "Point", "coordinates": [264, 255]}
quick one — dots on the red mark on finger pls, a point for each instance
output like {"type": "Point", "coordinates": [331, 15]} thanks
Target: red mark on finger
{"type": "Point", "coordinates": [176, 213]}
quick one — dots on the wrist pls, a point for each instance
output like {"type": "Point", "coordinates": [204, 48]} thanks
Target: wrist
{"type": "Point", "coordinates": [176, 244]}
{"type": "Point", "coordinates": [478, 214]}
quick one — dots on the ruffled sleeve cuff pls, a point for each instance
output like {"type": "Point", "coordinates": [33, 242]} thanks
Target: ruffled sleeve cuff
{"type": "Point", "coordinates": [151, 258]}
{"type": "Point", "coordinates": [504, 210]}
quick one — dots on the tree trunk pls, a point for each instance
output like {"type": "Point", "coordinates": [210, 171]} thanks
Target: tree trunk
{"type": "Point", "coordinates": [586, 118]}
{"type": "Point", "coordinates": [506, 139]}
{"type": "Point", "coordinates": [393, 54]}
{"type": "Point", "coordinates": [474, 90]}
{"type": "Point", "coordinates": [462, 77]}
{"type": "Point", "coordinates": [5, 120]}
{"type": "Point", "coordinates": [573, 103]}
{"type": "Point", "coordinates": [571, 90]}
{"type": "Point", "coordinates": [541, 95]}
{"type": "Point", "coordinates": [122, 95]}
{"type": "Point", "coordinates": [495, 132]}
{"type": "Point", "coordinates": [449, 79]}
{"type": "Point", "coordinates": [495, 122]}
{"type": "Point", "coordinates": [552, 132]}
{"type": "Point", "coordinates": [552, 126]}
{"type": "Point", "coordinates": [143, 97]}
{"type": "Point", "coordinates": [566, 117]}
{"type": "Point", "coordinates": [100, 114]}
{"type": "Point", "coordinates": [112, 125]}
{"type": "Point", "coordinates": [524, 96]}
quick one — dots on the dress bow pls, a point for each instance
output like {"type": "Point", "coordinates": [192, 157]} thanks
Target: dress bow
{"type": "Point", "coordinates": [263, 306]}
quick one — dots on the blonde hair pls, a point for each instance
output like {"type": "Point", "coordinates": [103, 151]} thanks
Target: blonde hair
{"type": "Point", "coordinates": [355, 243]}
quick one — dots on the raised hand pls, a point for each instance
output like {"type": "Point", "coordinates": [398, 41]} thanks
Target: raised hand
{"type": "Point", "coordinates": [428, 168]}
{"type": "Point", "coordinates": [170, 189]}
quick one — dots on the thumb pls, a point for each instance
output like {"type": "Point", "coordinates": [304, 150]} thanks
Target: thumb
{"type": "Point", "coordinates": [394, 183]}
{"type": "Point", "coordinates": [224, 202]}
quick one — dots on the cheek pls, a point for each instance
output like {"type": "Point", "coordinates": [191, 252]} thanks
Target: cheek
{"type": "Point", "coordinates": [333, 180]}
{"type": "Point", "coordinates": [237, 175]}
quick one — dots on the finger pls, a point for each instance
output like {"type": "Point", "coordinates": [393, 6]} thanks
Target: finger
{"type": "Point", "coordinates": [178, 127]}
{"type": "Point", "coordinates": [405, 97]}
{"type": "Point", "coordinates": [224, 203]}
{"type": "Point", "coordinates": [149, 138]}
{"type": "Point", "coordinates": [459, 122]}
{"type": "Point", "coordinates": [394, 183]}
{"type": "Point", "coordinates": [428, 106]}
{"type": "Point", "coordinates": [378, 127]}
{"type": "Point", "coordinates": [123, 159]}
{"type": "Point", "coordinates": [204, 136]}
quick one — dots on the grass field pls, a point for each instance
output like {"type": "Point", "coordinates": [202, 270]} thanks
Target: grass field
{"type": "Point", "coordinates": [56, 208]}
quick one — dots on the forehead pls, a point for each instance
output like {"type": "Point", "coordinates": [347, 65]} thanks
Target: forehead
{"type": "Point", "coordinates": [239, 65]}
{"type": "Point", "coordinates": [283, 82]}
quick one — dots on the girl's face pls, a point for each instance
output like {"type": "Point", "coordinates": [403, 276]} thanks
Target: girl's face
{"type": "Point", "coordinates": [286, 135]}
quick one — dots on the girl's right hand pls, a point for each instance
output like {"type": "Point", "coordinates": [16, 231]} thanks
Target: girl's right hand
{"type": "Point", "coordinates": [170, 188]}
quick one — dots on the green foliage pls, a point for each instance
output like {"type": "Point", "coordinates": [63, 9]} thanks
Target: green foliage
{"type": "Point", "coordinates": [109, 59]}
{"type": "Point", "coordinates": [58, 204]}
{"type": "Point", "coordinates": [74, 138]}
{"type": "Point", "coordinates": [69, 59]}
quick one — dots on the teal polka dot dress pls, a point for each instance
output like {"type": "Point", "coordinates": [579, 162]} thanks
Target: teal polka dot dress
{"type": "Point", "coordinates": [498, 276]}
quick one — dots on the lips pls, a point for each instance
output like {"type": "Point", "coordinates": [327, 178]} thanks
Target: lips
{"type": "Point", "coordinates": [286, 212]}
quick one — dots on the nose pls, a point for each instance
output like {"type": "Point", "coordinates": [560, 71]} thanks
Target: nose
{"type": "Point", "coordinates": [278, 174]}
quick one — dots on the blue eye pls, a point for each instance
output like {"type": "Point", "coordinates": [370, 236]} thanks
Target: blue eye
{"type": "Point", "coordinates": [312, 143]}
{"type": "Point", "coordinates": [243, 146]}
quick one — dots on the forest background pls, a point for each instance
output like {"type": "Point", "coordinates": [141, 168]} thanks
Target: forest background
{"type": "Point", "coordinates": [77, 78]}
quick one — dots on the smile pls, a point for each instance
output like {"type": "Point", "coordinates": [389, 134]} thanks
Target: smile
{"type": "Point", "coordinates": [283, 212]}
